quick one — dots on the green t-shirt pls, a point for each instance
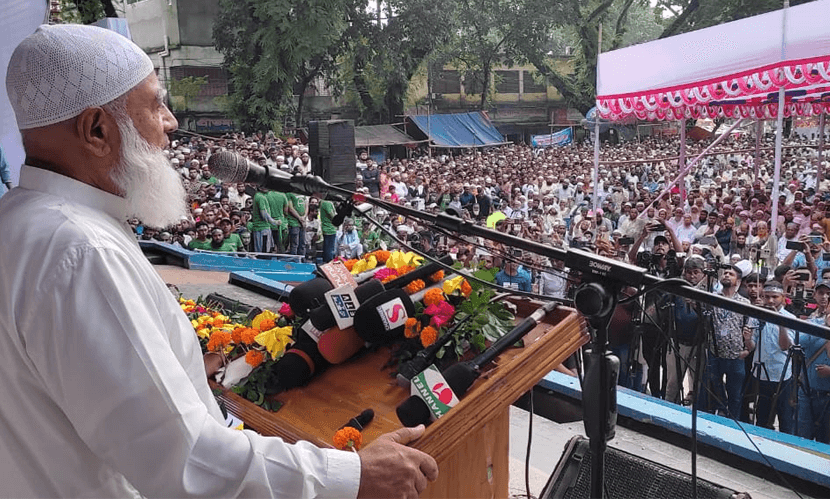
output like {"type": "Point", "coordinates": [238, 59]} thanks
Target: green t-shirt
{"type": "Point", "coordinates": [195, 244]}
{"type": "Point", "coordinates": [277, 200]}
{"type": "Point", "coordinates": [298, 202]}
{"type": "Point", "coordinates": [227, 247]}
{"type": "Point", "coordinates": [235, 241]}
{"type": "Point", "coordinates": [327, 212]}
{"type": "Point", "coordinates": [260, 203]}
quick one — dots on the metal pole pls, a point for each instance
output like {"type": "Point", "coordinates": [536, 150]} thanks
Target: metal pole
{"type": "Point", "coordinates": [681, 161]}
{"type": "Point", "coordinates": [759, 130]}
{"type": "Point", "coordinates": [819, 168]}
{"type": "Point", "coordinates": [595, 183]}
{"type": "Point", "coordinates": [779, 131]}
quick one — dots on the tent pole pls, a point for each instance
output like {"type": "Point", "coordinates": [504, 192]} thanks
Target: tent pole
{"type": "Point", "coordinates": [681, 161]}
{"type": "Point", "coordinates": [779, 132]}
{"type": "Point", "coordinates": [694, 161]}
{"type": "Point", "coordinates": [759, 129]}
{"type": "Point", "coordinates": [819, 168]}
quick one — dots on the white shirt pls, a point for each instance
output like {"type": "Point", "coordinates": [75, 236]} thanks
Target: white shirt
{"type": "Point", "coordinates": [103, 375]}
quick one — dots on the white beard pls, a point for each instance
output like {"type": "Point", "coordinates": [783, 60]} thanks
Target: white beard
{"type": "Point", "coordinates": [146, 179]}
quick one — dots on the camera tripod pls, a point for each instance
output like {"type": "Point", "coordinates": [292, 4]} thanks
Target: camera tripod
{"type": "Point", "coordinates": [795, 355]}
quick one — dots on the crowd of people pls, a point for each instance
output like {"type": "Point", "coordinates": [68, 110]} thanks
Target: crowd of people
{"type": "Point", "coordinates": [713, 228]}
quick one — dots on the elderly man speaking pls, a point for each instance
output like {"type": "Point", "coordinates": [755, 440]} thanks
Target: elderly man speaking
{"type": "Point", "coordinates": [103, 381]}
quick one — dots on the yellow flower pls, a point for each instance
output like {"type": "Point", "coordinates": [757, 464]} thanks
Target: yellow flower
{"type": "Point", "coordinates": [195, 324]}
{"type": "Point", "coordinates": [359, 266]}
{"type": "Point", "coordinates": [451, 285]}
{"type": "Point", "coordinates": [275, 340]}
{"type": "Point", "coordinates": [203, 332]}
{"type": "Point", "coordinates": [400, 259]}
{"type": "Point", "coordinates": [262, 317]}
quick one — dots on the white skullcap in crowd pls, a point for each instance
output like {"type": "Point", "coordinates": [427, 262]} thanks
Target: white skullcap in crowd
{"type": "Point", "coordinates": [58, 71]}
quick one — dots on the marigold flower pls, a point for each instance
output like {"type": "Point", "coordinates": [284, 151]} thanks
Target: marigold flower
{"type": "Point", "coordinates": [405, 270]}
{"type": "Point", "coordinates": [236, 335]}
{"type": "Point", "coordinates": [218, 341]}
{"type": "Point", "coordinates": [349, 264]}
{"type": "Point", "coordinates": [437, 276]}
{"type": "Point", "coordinates": [433, 296]}
{"type": "Point", "coordinates": [381, 255]}
{"type": "Point", "coordinates": [466, 289]}
{"type": "Point", "coordinates": [412, 327]}
{"type": "Point", "coordinates": [248, 336]}
{"type": "Point", "coordinates": [415, 286]}
{"type": "Point", "coordinates": [265, 315]}
{"type": "Point", "coordinates": [254, 358]}
{"type": "Point", "coordinates": [428, 336]}
{"type": "Point", "coordinates": [348, 438]}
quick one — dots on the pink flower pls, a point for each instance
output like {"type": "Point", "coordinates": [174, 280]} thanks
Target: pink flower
{"type": "Point", "coordinates": [440, 308]}
{"type": "Point", "coordinates": [440, 321]}
{"type": "Point", "coordinates": [384, 273]}
{"type": "Point", "coordinates": [285, 311]}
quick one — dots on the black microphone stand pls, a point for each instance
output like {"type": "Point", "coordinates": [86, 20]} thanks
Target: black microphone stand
{"type": "Point", "coordinates": [596, 298]}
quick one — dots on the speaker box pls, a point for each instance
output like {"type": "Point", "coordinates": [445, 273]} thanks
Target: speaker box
{"type": "Point", "coordinates": [332, 150]}
{"type": "Point", "coordinates": [626, 475]}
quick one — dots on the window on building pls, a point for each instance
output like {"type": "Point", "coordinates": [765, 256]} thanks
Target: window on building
{"type": "Point", "coordinates": [507, 82]}
{"type": "Point", "coordinates": [530, 86]}
{"type": "Point", "coordinates": [473, 82]}
{"type": "Point", "coordinates": [446, 81]}
{"type": "Point", "coordinates": [217, 79]}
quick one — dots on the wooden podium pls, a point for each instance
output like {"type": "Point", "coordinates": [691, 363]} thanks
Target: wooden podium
{"type": "Point", "coordinates": [470, 443]}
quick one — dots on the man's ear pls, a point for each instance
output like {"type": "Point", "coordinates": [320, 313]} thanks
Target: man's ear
{"type": "Point", "coordinates": [98, 132]}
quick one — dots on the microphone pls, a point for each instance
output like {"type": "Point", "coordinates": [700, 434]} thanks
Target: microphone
{"type": "Point", "coordinates": [428, 401]}
{"type": "Point", "coordinates": [234, 168]}
{"type": "Point", "coordinates": [308, 295]}
{"type": "Point", "coordinates": [361, 420]}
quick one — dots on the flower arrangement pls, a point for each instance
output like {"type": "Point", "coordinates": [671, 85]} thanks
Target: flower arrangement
{"type": "Point", "coordinates": [260, 341]}
{"type": "Point", "coordinates": [415, 286]}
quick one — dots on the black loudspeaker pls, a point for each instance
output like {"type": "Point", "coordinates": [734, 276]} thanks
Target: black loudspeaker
{"type": "Point", "coordinates": [626, 475]}
{"type": "Point", "coordinates": [332, 150]}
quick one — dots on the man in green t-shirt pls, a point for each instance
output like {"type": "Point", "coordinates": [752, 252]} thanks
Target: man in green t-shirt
{"type": "Point", "coordinates": [296, 224]}
{"type": "Point", "coordinates": [219, 243]}
{"type": "Point", "coordinates": [328, 229]}
{"type": "Point", "coordinates": [278, 203]}
{"type": "Point", "coordinates": [261, 221]}
{"type": "Point", "coordinates": [231, 237]}
{"type": "Point", "coordinates": [201, 241]}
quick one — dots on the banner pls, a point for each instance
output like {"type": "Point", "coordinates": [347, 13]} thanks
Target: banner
{"type": "Point", "coordinates": [560, 138]}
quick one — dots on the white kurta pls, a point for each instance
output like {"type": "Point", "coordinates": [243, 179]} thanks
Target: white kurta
{"type": "Point", "coordinates": [103, 387]}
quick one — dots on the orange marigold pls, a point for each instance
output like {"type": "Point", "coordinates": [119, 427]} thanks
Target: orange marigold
{"type": "Point", "coordinates": [415, 286]}
{"type": "Point", "coordinates": [437, 276]}
{"type": "Point", "coordinates": [267, 324]}
{"type": "Point", "coordinates": [428, 336]}
{"type": "Point", "coordinates": [381, 255]}
{"type": "Point", "coordinates": [433, 296]}
{"type": "Point", "coordinates": [412, 327]}
{"type": "Point", "coordinates": [236, 335]}
{"type": "Point", "coordinates": [387, 279]}
{"type": "Point", "coordinates": [248, 335]}
{"type": "Point", "coordinates": [218, 341]}
{"type": "Point", "coordinates": [405, 269]}
{"type": "Point", "coordinates": [349, 264]}
{"type": "Point", "coordinates": [348, 438]}
{"type": "Point", "coordinates": [254, 358]}
{"type": "Point", "coordinates": [465, 288]}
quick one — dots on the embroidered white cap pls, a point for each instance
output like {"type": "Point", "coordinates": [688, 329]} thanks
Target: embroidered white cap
{"type": "Point", "coordinates": [58, 71]}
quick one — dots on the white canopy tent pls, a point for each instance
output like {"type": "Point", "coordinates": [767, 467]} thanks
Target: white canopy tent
{"type": "Point", "coordinates": [762, 67]}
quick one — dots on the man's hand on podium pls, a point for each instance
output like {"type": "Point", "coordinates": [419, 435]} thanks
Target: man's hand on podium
{"type": "Point", "coordinates": [390, 469]}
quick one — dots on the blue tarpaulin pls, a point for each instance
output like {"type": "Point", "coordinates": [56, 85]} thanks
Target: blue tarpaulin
{"type": "Point", "coordinates": [459, 130]}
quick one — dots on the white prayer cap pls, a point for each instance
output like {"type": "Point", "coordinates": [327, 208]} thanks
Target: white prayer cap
{"type": "Point", "coordinates": [58, 71]}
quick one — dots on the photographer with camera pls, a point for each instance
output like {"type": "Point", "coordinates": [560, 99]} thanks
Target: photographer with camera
{"type": "Point", "coordinates": [662, 261]}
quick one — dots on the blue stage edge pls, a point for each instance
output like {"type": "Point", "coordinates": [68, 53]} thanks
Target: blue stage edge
{"type": "Point", "coordinates": [793, 455]}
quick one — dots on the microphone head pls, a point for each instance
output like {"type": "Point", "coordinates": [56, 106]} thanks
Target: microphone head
{"type": "Point", "coordinates": [382, 318]}
{"type": "Point", "coordinates": [308, 295]}
{"type": "Point", "coordinates": [292, 370]}
{"type": "Point", "coordinates": [413, 411]}
{"type": "Point", "coordinates": [322, 317]}
{"type": "Point", "coordinates": [229, 166]}
{"type": "Point", "coordinates": [460, 377]}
